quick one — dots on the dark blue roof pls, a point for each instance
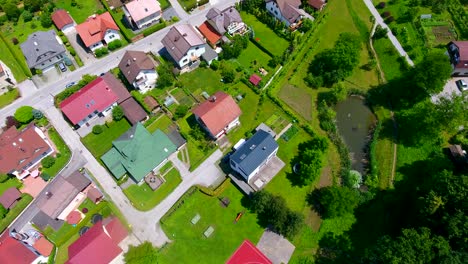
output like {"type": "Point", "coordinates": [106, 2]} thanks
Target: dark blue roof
{"type": "Point", "coordinates": [254, 151]}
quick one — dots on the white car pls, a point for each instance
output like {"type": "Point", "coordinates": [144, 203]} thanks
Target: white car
{"type": "Point", "coordinates": [462, 85]}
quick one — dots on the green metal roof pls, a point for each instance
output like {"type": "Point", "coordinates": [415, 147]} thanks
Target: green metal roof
{"type": "Point", "coordinates": [137, 152]}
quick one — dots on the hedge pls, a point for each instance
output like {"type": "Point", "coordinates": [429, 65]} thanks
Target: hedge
{"type": "Point", "coordinates": [20, 61]}
{"type": "Point", "coordinates": [196, 4]}
{"type": "Point", "coordinates": [154, 28]}
{"type": "Point", "coordinates": [218, 189]}
{"type": "Point", "coordinates": [179, 203]}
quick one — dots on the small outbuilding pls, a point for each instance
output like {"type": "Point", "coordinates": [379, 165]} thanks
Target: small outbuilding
{"type": "Point", "coordinates": [62, 20]}
{"type": "Point", "coordinates": [255, 79]}
{"type": "Point", "coordinates": [94, 195]}
{"type": "Point", "coordinates": [9, 198]}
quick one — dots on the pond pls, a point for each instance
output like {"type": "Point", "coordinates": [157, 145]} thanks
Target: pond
{"type": "Point", "coordinates": [354, 121]}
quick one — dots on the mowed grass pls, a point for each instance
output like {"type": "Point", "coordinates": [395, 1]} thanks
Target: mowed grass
{"type": "Point", "coordinates": [163, 122]}
{"type": "Point", "coordinates": [8, 97]}
{"type": "Point", "coordinates": [82, 11]}
{"type": "Point", "coordinates": [388, 58]}
{"type": "Point", "coordinates": [12, 182]}
{"type": "Point", "coordinates": [62, 148]}
{"type": "Point", "coordinates": [62, 251]}
{"type": "Point", "coordinates": [253, 58]}
{"type": "Point", "coordinates": [144, 198]}
{"type": "Point", "coordinates": [99, 144]}
{"type": "Point", "coordinates": [204, 79]}
{"type": "Point", "coordinates": [298, 99]}
{"type": "Point", "coordinates": [265, 36]}
{"type": "Point", "coordinates": [9, 60]}
{"type": "Point", "coordinates": [191, 246]}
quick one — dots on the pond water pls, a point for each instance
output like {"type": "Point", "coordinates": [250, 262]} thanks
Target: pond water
{"type": "Point", "coordinates": [354, 121]}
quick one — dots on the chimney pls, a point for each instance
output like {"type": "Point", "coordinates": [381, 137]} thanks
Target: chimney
{"type": "Point", "coordinates": [14, 144]}
{"type": "Point", "coordinates": [213, 98]}
{"type": "Point", "coordinates": [184, 35]}
{"type": "Point", "coordinates": [20, 140]}
{"type": "Point", "coordinates": [128, 62]}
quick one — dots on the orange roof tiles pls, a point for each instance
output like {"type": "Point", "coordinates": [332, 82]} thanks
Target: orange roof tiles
{"type": "Point", "coordinates": [94, 28]}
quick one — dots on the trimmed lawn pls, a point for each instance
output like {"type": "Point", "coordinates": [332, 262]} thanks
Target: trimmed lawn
{"type": "Point", "coordinates": [227, 236]}
{"type": "Point", "coordinates": [8, 97]}
{"type": "Point", "coordinates": [163, 122]}
{"type": "Point", "coordinates": [144, 199]}
{"type": "Point", "coordinates": [98, 145]}
{"type": "Point", "coordinates": [82, 10]}
{"type": "Point", "coordinates": [265, 36]}
{"type": "Point", "coordinates": [202, 79]}
{"type": "Point", "coordinates": [63, 155]}
{"type": "Point", "coordinates": [11, 182]}
{"type": "Point", "coordinates": [164, 4]}
{"type": "Point", "coordinates": [253, 58]}
{"type": "Point", "coordinates": [388, 58]}
{"type": "Point", "coordinates": [62, 251]}
{"type": "Point", "coordinates": [384, 148]}
{"type": "Point", "coordinates": [7, 57]}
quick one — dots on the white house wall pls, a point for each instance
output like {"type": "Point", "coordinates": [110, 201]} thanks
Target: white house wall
{"type": "Point", "coordinates": [275, 11]}
{"type": "Point", "coordinates": [111, 35]}
{"type": "Point", "coordinates": [196, 51]}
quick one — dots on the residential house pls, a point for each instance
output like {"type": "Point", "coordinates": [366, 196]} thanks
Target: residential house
{"type": "Point", "coordinates": [218, 114]}
{"type": "Point", "coordinates": [21, 150]}
{"type": "Point", "coordinates": [13, 251]}
{"type": "Point", "coordinates": [317, 4]}
{"type": "Point", "coordinates": [98, 98]}
{"type": "Point", "coordinates": [142, 13]}
{"type": "Point", "coordinates": [63, 20]}
{"type": "Point", "coordinates": [247, 252]}
{"type": "Point", "coordinates": [226, 21]}
{"type": "Point", "coordinates": [139, 70]}
{"type": "Point", "coordinates": [97, 31]}
{"type": "Point", "coordinates": [184, 44]}
{"type": "Point", "coordinates": [138, 152]}
{"type": "Point", "coordinates": [9, 197]}
{"type": "Point", "coordinates": [458, 53]}
{"type": "Point", "coordinates": [253, 154]}
{"type": "Point", "coordinates": [286, 11]}
{"type": "Point", "coordinates": [43, 50]}
{"type": "Point", "coordinates": [100, 244]}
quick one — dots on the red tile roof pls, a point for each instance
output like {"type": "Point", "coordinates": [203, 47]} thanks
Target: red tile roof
{"type": "Point", "coordinates": [218, 112]}
{"type": "Point", "coordinates": [43, 246]}
{"type": "Point", "coordinates": [209, 33]}
{"type": "Point", "coordinates": [9, 197]}
{"type": "Point", "coordinates": [94, 28]}
{"type": "Point", "coordinates": [96, 246]}
{"type": "Point", "coordinates": [248, 253]}
{"type": "Point", "coordinates": [61, 18]}
{"type": "Point", "coordinates": [13, 252]}
{"type": "Point", "coordinates": [255, 79]}
{"type": "Point", "coordinates": [96, 96]}
{"type": "Point", "coordinates": [317, 4]}
{"type": "Point", "coordinates": [19, 148]}
{"type": "Point", "coordinates": [115, 229]}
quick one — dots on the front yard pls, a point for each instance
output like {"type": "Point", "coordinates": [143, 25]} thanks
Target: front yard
{"type": "Point", "coordinates": [63, 154]}
{"type": "Point", "coordinates": [99, 144]}
{"type": "Point", "coordinates": [8, 97]}
{"type": "Point", "coordinates": [144, 198]}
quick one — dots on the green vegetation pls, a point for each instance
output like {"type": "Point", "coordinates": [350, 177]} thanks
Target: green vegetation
{"type": "Point", "coordinates": [8, 97]}
{"type": "Point", "coordinates": [144, 253]}
{"type": "Point", "coordinates": [227, 236]}
{"type": "Point", "coordinates": [17, 66]}
{"type": "Point", "coordinates": [63, 154]}
{"type": "Point", "coordinates": [24, 114]}
{"type": "Point", "coordinates": [15, 211]}
{"type": "Point", "coordinates": [164, 4]}
{"type": "Point", "coordinates": [62, 251]}
{"type": "Point", "coordinates": [117, 113]}
{"type": "Point", "coordinates": [8, 183]}
{"type": "Point", "coordinates": [188, 5]}
{"type": "Point", "coordinates": [389, 57]}
{"type": "Point", "coordinates": [253, 58]}
{"type": "Point", "coordinates": [144, 198]}
{"type": "Point", "coordinates": [101, 143]}
{"type": "Point", "coordinates": [48, 162]}
{"type": "Point", "coordinates": [333, 201]}
{"type": "Point", "coordinates": [163, 123]}
{"type": "Point", "coordinates": [80, 10]}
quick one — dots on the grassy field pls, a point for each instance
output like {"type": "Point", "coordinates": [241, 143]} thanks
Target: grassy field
{"type": "Point", "coordinates": [144, 198]}
{"type": "Point", "coordinates": [163, 122]}
{"type": "Point", "coordinates": [298, 99]}
{"type": "Point", "coordinates": [62, 158]}
{"type": "Point", "coordinates": [227, 236]}
{"type": "Point", "coordinates": [7, 58]}
{"type": "Point", "coordinates": [164, 4]}
{"type": "Point", "coordinates": [253, 58]}
{"type": "Point", "coordinates": [265, 36]}
{"type": "Point", "coordinates": [203, 79]}
{"type": "Point", "coordinates": [82, 11]}
{"type": "Point", "coordinates": [388, 58]}
{"type": "Point", "coordinates": [8, 97]}
{"type": "Point", "coordinates": [98, 145]}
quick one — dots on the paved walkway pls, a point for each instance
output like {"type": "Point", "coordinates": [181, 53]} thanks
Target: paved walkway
{"type": "Point", "coordinates": [179, 9]}
{"type": "Point", "coordinates": [379, 20]}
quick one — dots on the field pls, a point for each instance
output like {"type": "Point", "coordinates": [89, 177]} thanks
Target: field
{"type": "Point", "coordinates": [8, 97]}
{"type": "Point", "coordinates": [203, 79]}
{"type": "Point", "coordinates": [99, 144]}
{"type": "Point", "coordinates": [7, 58]}
{"type": "Point", "coordinates": [388, 58]}
{"type": "Point", "coordinates": [15, 211]}
{"type": "Point", "coordinates": [227, 236]}
{"type": "Point", "coordinates": [253, 58]}
{"type": "Point", "coordinates": [62, 148]}
{"type": "Point", "coordinates": [82, 11]}
{"type": "Point", "coordinates": [144, 198]}
{"type": "Point", "coordinates": [298, 99]}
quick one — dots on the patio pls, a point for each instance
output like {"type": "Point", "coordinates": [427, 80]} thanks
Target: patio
{"type": "Point", "coordinates": [33, 186]}
{"type": "Point", "coordinates": [266, 173]}
{"type": "Point", "coordinates": [277, 248]}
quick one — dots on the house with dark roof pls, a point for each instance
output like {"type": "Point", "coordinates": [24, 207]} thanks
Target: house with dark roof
{"type": "Point", "coordinates": [184, 44]}
{"type": "Point", "coordinates": [139, 70]}
{"type": "Point", "coordinates": [458, 54]}
{"type": "Point", "coordinates": [9, 197]}
{"type": "Point", "coordinates": [100, 244]}
{"type": "Point", "coordinates": [287, 11]}
{"type": "Point", "coordinates": [62, 20]}
{"type": "Point", "coordinates": [13, 251]}
{"type": "Point", "coordinates": [225, 21]}
{"type": "Point", "coordinates": [43, 50]}
{"type": "Point", "coordinates": [142, 13]}
{"type": "Point", "coordinates": [21, 150]}
{"type": "Point", "coordinates": [138, 153]}
{"type": "Point", "coordinates": [248, 253]}
{"type": "Point", "coordinates": [97, 31]}
{"type": "Point", "coordinates": [317, 4]}
{"type": "Point", "coordinates": [253, 154]}
{"type": "Point", "coordinates": [218, 114]}
{"type": "Point", "coordinates": [98, 98]}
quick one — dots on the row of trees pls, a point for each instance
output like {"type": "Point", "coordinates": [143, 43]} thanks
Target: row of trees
{"type": "Point", "coordinates": [10, 7]}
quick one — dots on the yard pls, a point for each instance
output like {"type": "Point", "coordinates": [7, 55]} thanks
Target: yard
{"type": "Point", "coordinates": [11, 182]}
{"type": "Point", "coordinates": [182, 97]}
{"type": "Point", "coordinates": [388, 58]}
{"type": "Point", "coordinates": [144, 198]}
{"type": "Point", "coordinates": [188, 238]}
{"type": "Point", "coordinates": [17, 66]}
{"type": "Point", "coordinates": [265, 36]}
{"type": "Point", "coordinates": [163, 122]}
{"type": "Point", "coordinates": [8, 97]}
{"type": "Point", "coordinates": [63, 155]}
{"type": "Point", "coordinates": [99, 144]}
{"type": "Point", "coordinates": [82, 10]}
{"type": "Point", "coordinates": [253, 58]}
{"type": "Point", "coordinates": [298, 99]}
{"type": "Point", "coordinates": [15, 211]}
{"type": "Point", "coordinates": [202, 79]}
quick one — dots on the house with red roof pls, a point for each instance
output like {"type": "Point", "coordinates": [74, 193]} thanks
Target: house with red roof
{"type": "Point", "coordinates": [21, 150]}
{"type": "Point", "coordinates": [211, 35]}
{"type": "Point", "coordinates": [97, 31]}
{"type": "Point", "coordinates": [142, 13]}
{"type": "Point", "coordinates": [248, 253]}
{"type": "Point", "coordinates": [13, 251]}
{"type": "Point", "coordinates": [218, 114]}
{"type": "Point", "coordinates": [317, 4]}
{"type": "Point", "coordinates": [255, 79]}
{"type": "Point", "coordinates": [62, 20]}
{"type": "Point", "coordinates": [99, 245]}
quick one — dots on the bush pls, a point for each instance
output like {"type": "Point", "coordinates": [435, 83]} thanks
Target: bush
{"type": "Point", "coordinates": [381, 5]}
{"type": "Point", "coordinates": [24, 114]}
{"type": "Point", "coordinates": [4, 177]}
{"type": "Point", "coordinates": [181, 111]}
{"type": "Point", "coordinates": [97, 129]}
{"type": "Point", "coordinates": [386, 14]}
{"type": "Point", "coordinates": [154, 28]}
{"type": "Point", "coordinates": [3, 211]}
{"type": "Point", "coordinates": [353, 179]}
{"type": "Point", "coordinates": [113, 45]}
{"type": "Point", "coordinates": [314, 82]}
{"type": "Point", "coordinates": [48, 162]}
{"type": "Point", "coordinates": [389, 19]}
{"type": "Point", "coordinates": [214, 65]}
{"type": "Point", "coordinates": [15, 41]}
{"type": "Point", "coordinates": [380, 32]}
{"type": "Point", "coordinates": [228, 75]}
{"type": "Point", "coordinates": [37, 114]}
{"type": "Point", "coordinates": [166, 78]}
{"type": "Point", "coordinates": [46, 20]}
{"type": "Point", "coordinates": [45, 176]}
{"type": "Point", "coordinates": [10, 122]}
{"type": "Point", "coordinates": [101, 52]}
{"type": "Point", "coordinates": [117, 113]}
{"type": "Point", "coordinates": [203, 64]}
{"type": "Point", "coordinates": [27, 16]}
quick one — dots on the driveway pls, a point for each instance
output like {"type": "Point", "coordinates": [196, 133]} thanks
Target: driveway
{"type": "Point", "coordinates": [86, 58]}
{"type": "Point", "coordinates": [449, 88]}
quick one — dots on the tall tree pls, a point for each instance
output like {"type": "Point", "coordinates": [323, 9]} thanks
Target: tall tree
{"type": "Point", "coordinates": [11, 10]}
{"type": "Point", "coordinates": [431, 74]}
{"type": "Point", "coordinates": [334, 201]}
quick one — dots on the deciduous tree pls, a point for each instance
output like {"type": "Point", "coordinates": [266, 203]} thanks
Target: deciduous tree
{"type": "Point", "coordinates": [334, 201]}
{"type": "Point", "coordinates": [117, 113]}
{"type": "Point", "coordinates": [24, 114]}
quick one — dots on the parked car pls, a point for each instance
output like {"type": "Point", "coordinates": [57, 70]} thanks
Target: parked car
{"type": "Point", "coordinates": [70, 84]}
{"type": "Point", "coordinates": [62, 67]}
{"type": "Point", "coordinates": [462, 85]}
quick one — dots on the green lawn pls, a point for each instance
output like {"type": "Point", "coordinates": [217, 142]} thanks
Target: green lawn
{"type": "Point", "coordinates": [144, 199]}
{"type": "Point", "coordinates": [12, 182]}
{"type": "Point", "coordinates": [82, 11]}
{"type": "Point", "coordinates": [253, 58]}
{"type": "Point", "coordinates": [227, 236]}
{"type": "Point", "coordinates": [15, 211]}
{"type": "Point", "coordinates": [163, 122]}
{"type": "Point", "coordinates": [265, 36]}
{"type": "Point", "coordinates": [8, 97]}
{"type": "Point", "coordinates": [98, 145]}
{"type": "Point", "coordinates": [15, 65]}
{"type": "Point", "coordinates": [62, 251]}
{"type": "Point", "coordinates": [202, 79]}
{"type": "Point", "coordinates": [388, 58]}
{"type": "Point", "coordinates": [164, 4]}
{"type": "Point", "coordinates": [63, 155]}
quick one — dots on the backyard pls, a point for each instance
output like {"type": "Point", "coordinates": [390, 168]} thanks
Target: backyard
{"type": "Point", "coordinates": [80, 10]}
{"type": "Point", "coordinates": [16, 64]}
{"type": "Point", "coordinates": [15, 211]}
{"type": "Point", "coordinates": [226, 237]}
{"type": "Point", "coordinates": [144, 198]}
{"type": "Point", "coordinates": [99, 144]}
{"type": "Point", "coordinates": [63, 153]}
{"type": "Point", "coordinates": [162, 122]}
{"type": "Point", "coordinates": [253, 58]}
{"type": "Point", "coordinates": [298, 99]}
{"type": "Point", "coordinates": [8, 97]}
{"type": "Point", "coordinates": [202, 79]}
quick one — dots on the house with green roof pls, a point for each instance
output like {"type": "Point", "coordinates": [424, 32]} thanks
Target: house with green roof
{"type": "Point", "coordinates": [138, 152]}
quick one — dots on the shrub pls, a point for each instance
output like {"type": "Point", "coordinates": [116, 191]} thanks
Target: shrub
{"type": "Point", "coordinates": [97, 129]}
{"type": "Point", "coordinates": [380, 32]}
{"type": "Point", "coordinates": [3, 211]}
{"type": "Point", "coordinates": [45, 176]}
{"type": "Point", "coordinates": [386, 14]}
{"type": "Point", "coordinates": [214, 65]}
{"type": "Point", "coordinates": [353, 179]}
{"type": "Point", "coordinates": [203, 64]}
{"type": "Point", "coordinates": [389, 19]}
{"type": "Point", "coordinates": [181, 111]}
{"type": "Point", "coordinates": [117, 113]}
{"type": "Point", "coordinates": [27, 16]}
{"type": "Point", "coordinates": [154, 28]}
{"type": "Point", "coordinates": [381, 5]}
{"type": "Point", "coordinates": [101, 52]}
{"type": "Point", "coordinates": [72, 52]}
{"type": "Point", "coordinates": [24, 114]}
{"type": "Point", "coordinates": [113, 45]}
{"type": "Point", "coordinates": [228, 75]}
{"type": "Point", "coordinates": [15, 41]}
{"type": "Point", "coordinates": [48, 162]}
{"type": "Point", "coordinates": [37, 114]}
{"type": "Point", "coordinates": [46, 20]}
